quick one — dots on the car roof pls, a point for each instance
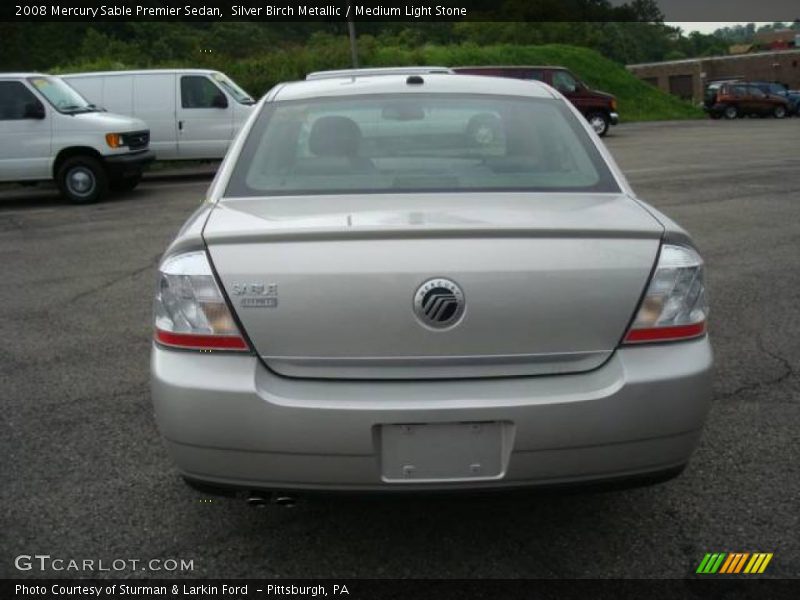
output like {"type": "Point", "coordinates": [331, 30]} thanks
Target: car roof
{"type": "Point", "coordinates": [141, 72]}
{"type": "Point", "coordinates": [509, 67]}
{"type": "Point", "coordinates": [371, 72]}
{"type": "Point", "coordinates": [434, 83]}
{"type": "Point", "coordinates": [22, 75]}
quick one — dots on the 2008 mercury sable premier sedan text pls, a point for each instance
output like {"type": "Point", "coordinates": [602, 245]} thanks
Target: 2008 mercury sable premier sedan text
{"type": "Point", "coordinates": [427, 282]}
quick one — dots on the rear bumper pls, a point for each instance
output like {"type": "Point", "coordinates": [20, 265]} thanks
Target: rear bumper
{"type": "Point", "coordinates": [122, 165]}
{"type": "Point", "coordinates": [228, 420]}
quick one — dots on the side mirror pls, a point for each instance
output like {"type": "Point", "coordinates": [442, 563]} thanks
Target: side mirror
{"type": "Point", "coordinates": [34, 110]}
{"type": "Point", "coordinates": [219, 101]}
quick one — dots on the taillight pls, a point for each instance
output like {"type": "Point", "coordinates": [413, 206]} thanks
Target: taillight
{"type": "Point", "coordinates": [675, 305]}
{"type": "Point", "coordinates": [190, 310]}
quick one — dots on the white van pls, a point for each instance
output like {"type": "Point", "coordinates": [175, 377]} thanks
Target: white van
{"type": "Point", "coordinates": [48, 131]}
{"type": "Point", "coordinates": [192, 113]}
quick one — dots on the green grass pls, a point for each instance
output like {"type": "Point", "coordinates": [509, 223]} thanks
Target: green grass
{"type": "Point", "coordinates": [637, 100]}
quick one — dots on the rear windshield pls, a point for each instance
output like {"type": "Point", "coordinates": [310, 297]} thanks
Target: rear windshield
{"type": "Point", "coordinates": [413, 143]}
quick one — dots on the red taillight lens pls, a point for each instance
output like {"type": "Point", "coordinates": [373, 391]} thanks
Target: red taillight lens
{"type": "Point", "coordinates": [675, 306]}
{"type": "Point", "coordinates": [190, 310]}
{"type": "Point", "coordinates": [200, 342]}
{"type": "Point", "coordinates": [665, 334]}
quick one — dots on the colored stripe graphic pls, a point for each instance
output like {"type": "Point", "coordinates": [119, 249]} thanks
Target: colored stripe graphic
{"type": "Point", "coordinates": [711, 563]}
{"type": "Point", "coordinates": [758, 563]}
{"type": "Point", "coordinates": [764, 564]}
{"type": "Point", "coordinates": [740, 562]}
{"type": "Point", "coordinates": [727, 564]}
{"type": "Point", "coordinates": [754, 563]}
{"type": "Point", "coordinates": [703, 563]}
{"type": "Point", "coordinates": [734, 563]}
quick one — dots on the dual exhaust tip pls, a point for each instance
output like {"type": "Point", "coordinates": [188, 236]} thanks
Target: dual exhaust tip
{"type": "Point", "coordinates": [261, 499]}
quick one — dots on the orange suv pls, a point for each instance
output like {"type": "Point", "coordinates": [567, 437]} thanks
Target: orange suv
{"type": "Point", "coordinates": [739, 99]}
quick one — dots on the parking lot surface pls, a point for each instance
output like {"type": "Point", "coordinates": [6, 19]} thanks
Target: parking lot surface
{"type": "Point", "coordinates": [85, 476]}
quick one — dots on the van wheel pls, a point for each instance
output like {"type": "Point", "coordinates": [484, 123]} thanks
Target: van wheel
{"type": "Point", "coordinates": [82, 180]}
{"type": "Point", "coordinates": [731, 112]}
{"type": "Point", "coordinates": [599, 122]}
{"type": "Point", "coordinates": [126, 184]}
{"type": "Point", "coordinates": [779, 112]}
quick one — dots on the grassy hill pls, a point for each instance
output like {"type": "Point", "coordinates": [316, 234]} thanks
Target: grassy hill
{"type": "Point", "coordinates": [638, 101]}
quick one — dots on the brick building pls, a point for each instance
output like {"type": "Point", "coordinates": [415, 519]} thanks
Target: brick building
{"type": "Point", "coordinates": [688, 78]}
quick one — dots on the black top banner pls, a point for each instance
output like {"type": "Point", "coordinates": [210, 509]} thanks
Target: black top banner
{"type": "Point", "coordinates": [398, 10]}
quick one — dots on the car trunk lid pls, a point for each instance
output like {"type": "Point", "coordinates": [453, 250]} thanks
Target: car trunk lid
{"type": "Point", "coordinates": [324, 286]}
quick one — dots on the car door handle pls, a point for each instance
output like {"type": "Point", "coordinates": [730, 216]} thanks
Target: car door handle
{"type": "Point", "coordinates": [180, 125]}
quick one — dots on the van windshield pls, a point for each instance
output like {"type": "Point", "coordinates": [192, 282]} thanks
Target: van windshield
{"type": "Point", "coordinates": [412, 143]}
{"type": "Point", "coordinates": [234, 90]}
{"type": "Point", "coordinates": [61, 95]}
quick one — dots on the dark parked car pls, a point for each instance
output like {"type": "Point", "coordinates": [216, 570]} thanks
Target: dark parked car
{"type": "Point", "coordinates": [779, 89]}
{"type": "Point", "coordinates": [599, 108]}
{"type": "Point", "coordinates": [741, 98]}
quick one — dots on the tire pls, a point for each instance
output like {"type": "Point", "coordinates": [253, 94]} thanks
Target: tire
{"type": "Point", "coordinates": [599, 122]}
{"type": "Point", "coordinates": [82, 180]}
{"type": "Point", "coordinates": [730, 112]}
{"type": "Point", "coordinates": [779, 112]}
{"type": "Point", "coordinates": [126, 184]}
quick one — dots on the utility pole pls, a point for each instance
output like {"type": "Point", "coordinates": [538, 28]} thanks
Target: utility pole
{"type": "Point", "coordinates": [351, 31]}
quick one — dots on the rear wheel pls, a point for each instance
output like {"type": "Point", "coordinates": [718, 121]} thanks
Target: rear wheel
{"type": "Point", "coordinates": [731, 112]}
{"type": "Point", "coordinates": [779, 112]}
{"type": "Point", "coordinates": [599, 122]}
{"type": "Point", "coordinates": [82, 180]}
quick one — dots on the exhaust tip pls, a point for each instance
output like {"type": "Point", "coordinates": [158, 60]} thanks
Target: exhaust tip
{"type": "Point", "coordinates": [283, 499]}
{"type": "Point", "coordinates": [262, 499]}
{"type": "Point", "coordinates": [256, 500]}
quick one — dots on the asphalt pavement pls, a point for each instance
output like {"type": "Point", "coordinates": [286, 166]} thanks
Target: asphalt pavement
{"type": "Point", "coordinates": [85, 475]}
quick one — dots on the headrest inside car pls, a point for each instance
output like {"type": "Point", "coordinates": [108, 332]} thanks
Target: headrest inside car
{"type": "Point", "coordinates": [334, 136]}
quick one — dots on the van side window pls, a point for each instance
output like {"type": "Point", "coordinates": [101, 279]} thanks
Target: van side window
{"type": "Point", "coordinates": [564, 82]}
{"type": "Point", "coordinates": [535, 74]}
{"type": "Point", "coordinates": [738, 90]}
{"type": "Point", "coordinates": [14, 98]}
{"type": "Point", "coordinates": [198, 92]}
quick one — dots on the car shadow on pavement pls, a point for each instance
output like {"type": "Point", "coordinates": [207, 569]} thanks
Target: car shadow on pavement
{"type": "Point", "coordinates": [16, 197]}
{"type": "Point", "coordinates": [497, 534]}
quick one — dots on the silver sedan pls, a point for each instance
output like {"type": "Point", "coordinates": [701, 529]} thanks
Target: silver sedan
{"type": "Point", "coordinates": [427, 282]}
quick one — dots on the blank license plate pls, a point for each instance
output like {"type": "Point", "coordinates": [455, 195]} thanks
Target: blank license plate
{"type": "Point", "coordinates": [442, 451]}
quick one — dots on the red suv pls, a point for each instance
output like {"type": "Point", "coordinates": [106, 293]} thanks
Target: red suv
{"type": "Point", "coordinates": [741, 98]}
{"type": "Point", "coordinates": [599, 108]}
